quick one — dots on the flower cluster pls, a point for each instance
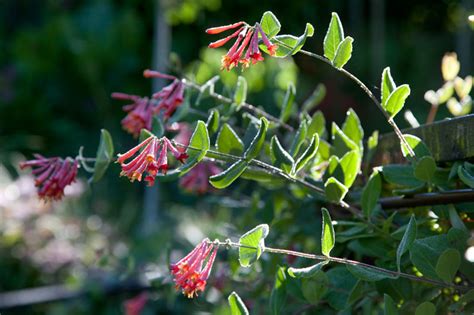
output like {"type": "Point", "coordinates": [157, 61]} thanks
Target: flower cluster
{"type": "Point", "coordinates": [197, 180]}
{"type": "Point", "coordinates": [171, 96]}
{"type": "Point", "coordinates": [191, 272]}
{"type": "Point", "coordinates": [152, 159]}
{"type": "Point", "coordinates": [52, 175]}
{"type": "Point", "coordinates": [247, 38]}
{"type": "Point", "coordinates": [139, 113]}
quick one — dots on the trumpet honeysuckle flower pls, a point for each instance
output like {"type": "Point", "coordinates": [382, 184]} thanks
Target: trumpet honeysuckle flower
{"type": "Point", "coordinates": [152, 159]}
{"type": "Point", "coordinates": [247, 37]}
{"type": "Point", "coordinates": [171, 96]}
{"type": "Point", "coordinates": [139, 113]}
{"type": "Point", "coordinates": [190, 274]}
{"type": "Point", "coordinates": [197, 179]}
{"type": "Point", "coordinates": [52, 175]}
{"type": "Point", "coordinates": [135, 305]}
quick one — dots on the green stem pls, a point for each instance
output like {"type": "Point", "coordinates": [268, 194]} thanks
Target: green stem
{"type": "Point", "coordinates": [229, 243]}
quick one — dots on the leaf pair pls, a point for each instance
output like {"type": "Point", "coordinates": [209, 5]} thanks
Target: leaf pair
{"type": "Point", "coordinates": [392, 97]}
{"type": "Point", "coordinates": [337, 48]}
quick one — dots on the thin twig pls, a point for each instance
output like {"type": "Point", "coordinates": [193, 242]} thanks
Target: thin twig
{"type": "Point", "coordinates": [229, 243]}
{"type": "Point", "coordinates": [365, 89]}
{"type": "Point", "coordinates": [248, 107]}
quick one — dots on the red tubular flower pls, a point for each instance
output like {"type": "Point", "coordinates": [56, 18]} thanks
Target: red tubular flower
{"type": "Point", "coordinates": [271, 47]}
{"type": "Point", "coordinates": [152, 159]}
{"type": "Point", "coordinates": [246, 36]}
{"type": "Point", "coordinates": [139, 113]}
{"type": "Point", "coordinates": [220, 29]}
{"type": "Point", "coordinates": [171, 96]}
{"type": "Point", "coordinates": [191, 272]}
{"type": "Point", "coordinates": [52, 175]}
{"type": "Point", "coordinates": [135, 305]}
{"type": "Point", "coordinates": [197, 180]}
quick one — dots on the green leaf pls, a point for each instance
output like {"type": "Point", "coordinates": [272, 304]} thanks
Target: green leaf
{"type": "Point", "coordinates": [390, 307]}
{"type": "Point", "coordinates": [287, 106]}
{"type": "Point", "coordinates": [288, 44]}
{"type": "Point", "coordinates": [353, 128]}
{"type": "Point", "coordinates": [328, 237]}
{"type": "Point", "coordinates": [298, 139]}
{"type": "Point", "coordinates": [373, 140]}
{"type": "Point", "coordinates": [400, 175]}
{"type": "Point", "coordinates": [317, 124]}
{"type": "Point", "coordinates": [307, 272]}
{"type": "Point", "coordinates": [315, 98]}
{"type": "Point", "coordinates": [368, 274]}
{"type": "Point", "coordinates": [343, 52]}
{"type": "Point", "coordinates": [240, 94]}
{"type": "Point", "coordinates": [278, 294]}
{"type": "Point", "coordinates": [280, 157]}
{"type": "Point", "coordinates": [387, 86]}
{"type": "Point", "coordinates": [407, 241]}
{"type": "Point", "coordinates": [157, 127]}
{"type": "Point", "coordinates": [425, 252]}
{"type": "Point", "coordinates": [335, 190]}
{"type": "Point", "coordinates": [350, 165]}
{"type": "Point", "coordinates": [199, 144]}
{"type": "Point", "coordinates": [257, 143]}
{"type": "Point", "coordinates": [262, 176]}
{"type": "Point", "coordinates": [425, 169]}
{"type": "Point", "coordinates": [334, 37]}
{"type": "Point", "coordinates": [227, 177]}
{"type": "Point", "coordinates": [237, 307]}
{"type": "Point", "coordinates": [448, 264]}
{"type": "Point", "coordinates": [341, 143]}
{"type": "Point", "coordinates": [465, 176]}
{"type": "Point", "coordinates": [213, 121]}
{"type": "Point", "coordinates": [253, 238]}
{"type": "Point", "coordinates": [417, 145]}
{"type": "Point", "coordinates": [308, 154]}
{"type": "Point", "coordinates": [105, 154]}
{"type": "Point", "coordinates": [270, 24]}
{"type": "Point", "coordinates": [425, 308]}
{"type": "Point", "coordinates": [344, 281]}
{"type": "Point", "coordinates": [228, 141]}
{"type": "Point", "coordinates": [371, 193]}
{"type": "Point", "coordinates": [396, 100]}
{"type": "Point", "coordinates": [315, 289]}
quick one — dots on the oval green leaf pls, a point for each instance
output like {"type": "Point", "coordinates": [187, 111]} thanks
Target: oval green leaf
{"type": "Point", "coordinates": [396, 100]}
{"type": "Point", "coordinates": [227, 177]}
{"type": "Point", "coordinates": [237, 307]}
{"type": "Point", "coordinates": [328, 237]}
{"type": "Point", "coordinates": [257, 143]}
{"type": "Point", "coordinates": [254, 238]}
{"type": "Point", "coordinates": [334, 36]}
{"type": "Point", "coordinates": [105, 154]}
{"type": "Point", "coordinates": [343, 52]}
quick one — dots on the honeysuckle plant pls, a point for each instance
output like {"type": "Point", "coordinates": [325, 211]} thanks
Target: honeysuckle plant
{"type": "Point", "coordinates": [315, 188]}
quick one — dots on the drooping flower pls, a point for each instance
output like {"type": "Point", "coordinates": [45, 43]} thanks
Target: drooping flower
{"type": "Point", "coordinates": [197, 180]}
{"type": "Point", "coordinates": [247, 37]}
{"type": "Point", "coordinates": [135, 305]}
{"type": "Point", "coordinates": [52, 175]}
{"type": "Point", "coordinates": [171, 96]}
{"type": "Point", "coordinates": [152, 159]}
{"type": "Point", "coordinates": [139, 113]}
{"type": "Point", "coordinates": [191, 272]}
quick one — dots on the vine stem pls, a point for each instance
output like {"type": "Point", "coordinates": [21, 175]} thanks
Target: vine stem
{"type": "Point", "coordinates": [276, 171]}
{"type": "Point", "coordinates": [248, 107]}
{"type": "Point", "coordinates": [365, 89]}
{"type": "Point", "coordinates": [228, 243]}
